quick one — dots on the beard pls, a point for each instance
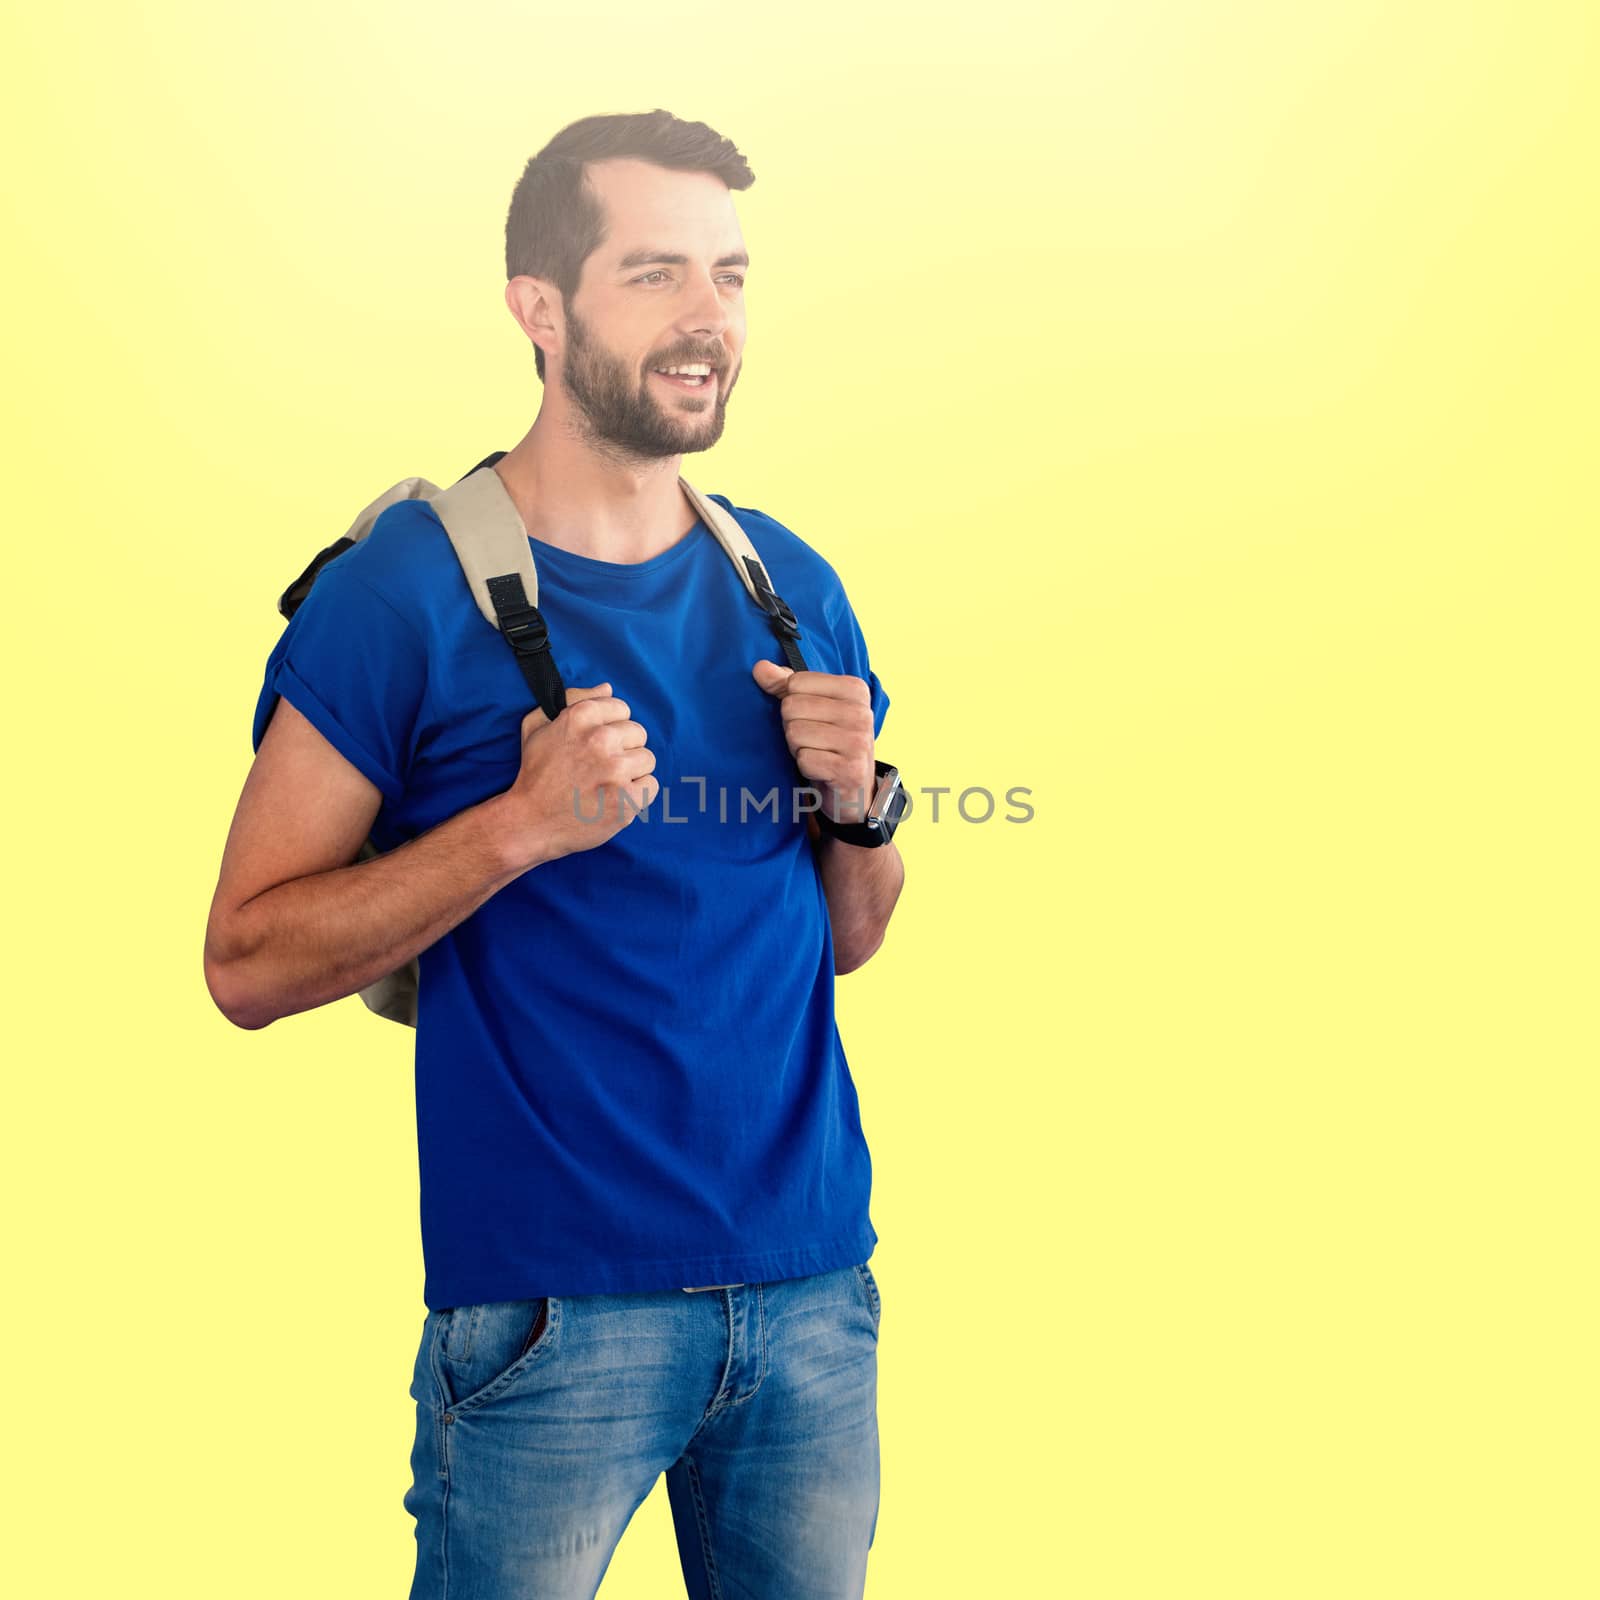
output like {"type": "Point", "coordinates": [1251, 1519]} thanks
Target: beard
{"type": "Point", "coordinates": [623, 412]}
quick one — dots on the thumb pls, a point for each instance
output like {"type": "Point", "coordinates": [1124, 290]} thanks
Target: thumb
{"type": "Point", "coordinates": [771, 677]}
{"type": "Point", "coordinates": [537, 719]}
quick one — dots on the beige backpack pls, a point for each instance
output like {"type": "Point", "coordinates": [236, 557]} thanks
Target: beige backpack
{"type": "Point", "coordinates": [492, 546]}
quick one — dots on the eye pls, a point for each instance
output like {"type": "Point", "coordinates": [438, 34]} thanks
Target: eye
{"type": "Point", "coordinates": [661, 272]}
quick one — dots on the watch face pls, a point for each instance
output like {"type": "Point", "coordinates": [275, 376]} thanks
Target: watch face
{"type": "Point", "coordinates": [896, 807]}
{"type": "Point", "coordinates": [888, 803]}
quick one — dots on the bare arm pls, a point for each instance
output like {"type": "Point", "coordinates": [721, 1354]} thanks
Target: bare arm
{"type": "Point", "coordinates": [862, 886]}
{"type": "Point", "coordinates": [296, 922]}
{"type": "Point", "coordinates": [319, 938]}
{"type": "Point", "coordinates": [827, 721]}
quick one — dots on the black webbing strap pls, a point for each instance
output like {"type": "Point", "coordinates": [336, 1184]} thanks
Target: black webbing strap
{"type": "Point", "coordinates": [525, 630]}
{"type": "Point", "coordinates": [781, 618]}
{"type": "Point", "coordinates": [527, 634]}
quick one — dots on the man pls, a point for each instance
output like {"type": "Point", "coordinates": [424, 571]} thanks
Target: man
{"type": "Point", "coordinates": [630, 1082]}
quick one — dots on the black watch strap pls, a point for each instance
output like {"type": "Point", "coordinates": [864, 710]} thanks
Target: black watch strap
{"type": "Point", "coordinates": [888, 802]}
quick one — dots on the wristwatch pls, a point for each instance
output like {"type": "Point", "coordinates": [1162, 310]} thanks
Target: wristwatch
{"type": "Point", "coordinates": [889, 802]}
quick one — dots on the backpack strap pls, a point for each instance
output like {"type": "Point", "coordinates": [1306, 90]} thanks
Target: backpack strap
{"type": "Point", "coordinates": [736, 542]}
{"type": "Point", "coordinates": [407, 489]}
{"type": "Point", "coordinates": [491, 543]}
{"type": "Point", "coordinates": [492, 546]}
{"type": "Point", "coordinates": [490, 501]}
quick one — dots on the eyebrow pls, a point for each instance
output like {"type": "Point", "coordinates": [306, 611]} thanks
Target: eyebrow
{"type": "Point", "coordinates": [653, 257]}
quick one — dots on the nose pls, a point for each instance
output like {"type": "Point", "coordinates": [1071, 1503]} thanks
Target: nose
{"type": "Point", "coordinates": [703, 310]}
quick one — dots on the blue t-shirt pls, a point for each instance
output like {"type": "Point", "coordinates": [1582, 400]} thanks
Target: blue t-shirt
{"type": "Point", "coordinates": [628, 1072]}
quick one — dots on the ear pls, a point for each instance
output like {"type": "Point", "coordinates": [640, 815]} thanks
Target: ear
{"type": "Point", "coordinates": [535, 303]}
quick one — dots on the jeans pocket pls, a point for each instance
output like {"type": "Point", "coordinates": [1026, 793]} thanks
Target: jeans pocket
{"type": "Point", "coordinates": [483, 1348]}
{"type": "Point", "coordinates": [874, 1299]}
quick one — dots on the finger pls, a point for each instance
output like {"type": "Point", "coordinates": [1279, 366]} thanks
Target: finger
{"type": "Point", "coordinates": [605, 708]}
{"type": "Point", "coordinates": [637, 798]}
{"type": "Point", "coordinates": [827, 708]}
{"type": "Point", "coordinates": [849, 722]}
{"type": "Point", "coordinates": [827, 766]}
{"type": "Point", "coordinates": [840, 738]}
{"type": "Point", "coordinates": [829, 686]}
{"type": "Point", "coordinates": [575, 694]}
{"type": "Point", "coordinates": [629, 735]}
{"type": "Point", "coordinates": [627, 765]}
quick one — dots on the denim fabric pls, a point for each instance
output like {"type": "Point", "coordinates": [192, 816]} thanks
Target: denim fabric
{"type": "Point", "coordinates": [543, 1424]}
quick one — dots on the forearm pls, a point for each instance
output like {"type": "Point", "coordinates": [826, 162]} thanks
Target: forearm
{"type": "Point", "coordinates": [862, 886]}
{"type": "Point", "coordinates": [317, 939]}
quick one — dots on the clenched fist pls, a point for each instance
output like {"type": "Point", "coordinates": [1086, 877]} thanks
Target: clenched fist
{"type": "Point", "coordinates": [827, 719]}
{"type": "Point", "coordinates": [584, 776]}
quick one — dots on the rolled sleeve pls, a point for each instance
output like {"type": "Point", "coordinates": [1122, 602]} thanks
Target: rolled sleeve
{"type": "Point", "coordinates": [880, 702]}
{"type": "Point", "coordinates": [852, 646]}
{"type": "Point", "coordinates": [356, 669]}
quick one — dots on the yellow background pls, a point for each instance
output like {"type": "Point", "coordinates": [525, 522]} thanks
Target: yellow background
{"type": "Point", "coordinates": [1199, 404]}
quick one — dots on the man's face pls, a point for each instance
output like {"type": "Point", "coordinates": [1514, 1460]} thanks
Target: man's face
{"type": "Point", "coordinates": [665, 289]}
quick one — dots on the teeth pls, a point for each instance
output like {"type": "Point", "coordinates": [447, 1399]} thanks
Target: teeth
{"type": "Point", "coordinates": [694, 369]}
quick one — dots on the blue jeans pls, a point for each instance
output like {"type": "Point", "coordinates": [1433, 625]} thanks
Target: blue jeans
{"type": "Point", "coordinates": [543, 1424]}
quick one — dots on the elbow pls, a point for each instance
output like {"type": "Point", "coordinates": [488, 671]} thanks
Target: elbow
{"type": "Point", "coordinates": [847, 958]}
{"type": "Point", "coordinates": [229, 995]}
{"type": "Point", "coordinates": [231, 1002]}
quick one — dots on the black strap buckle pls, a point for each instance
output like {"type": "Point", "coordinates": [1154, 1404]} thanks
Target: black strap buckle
{"type": "Point", "coordinates": [784, 622]}
{"type": "Point", "coordinates": [525, 628]}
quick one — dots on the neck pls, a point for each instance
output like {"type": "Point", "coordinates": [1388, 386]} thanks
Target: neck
{"type": "Point", "coordinates": [571, 495]}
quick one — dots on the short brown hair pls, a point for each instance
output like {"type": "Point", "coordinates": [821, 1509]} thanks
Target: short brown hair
{"type": "Point", "coordinates": [556, 222]}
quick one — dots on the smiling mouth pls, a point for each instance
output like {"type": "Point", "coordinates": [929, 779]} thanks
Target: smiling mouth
{"type": "Point", "coordinates": [688, 385]}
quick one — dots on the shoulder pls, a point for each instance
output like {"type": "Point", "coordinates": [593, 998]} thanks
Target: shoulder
{"type": "Point", "coordinates": [798, 572]}
{"type": "Point", "coordinates": [404, 558]}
